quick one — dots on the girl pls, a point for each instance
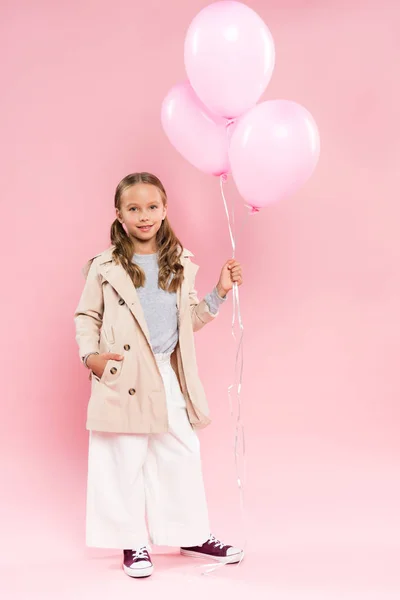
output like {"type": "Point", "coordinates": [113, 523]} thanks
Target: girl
{"type": "Point", "coordinates": [134, 327]}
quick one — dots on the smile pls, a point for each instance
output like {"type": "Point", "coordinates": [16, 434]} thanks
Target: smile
{"type": "Point", "coordinates": [145, 227]}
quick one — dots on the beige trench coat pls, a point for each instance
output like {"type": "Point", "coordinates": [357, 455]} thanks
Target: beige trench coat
{"type": "Point", "coordinates": [130, 397]}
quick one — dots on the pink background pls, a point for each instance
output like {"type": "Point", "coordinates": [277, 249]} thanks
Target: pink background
{"type": "Point", "coordinates": [82, 87]}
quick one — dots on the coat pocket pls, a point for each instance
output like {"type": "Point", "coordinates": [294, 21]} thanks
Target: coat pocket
{"type": "Point", "coordinates": [112, 371]}
{"type": "Point", "coordinates": [94, 376]}
{"type": "Point", "coordinates": [108, 333]}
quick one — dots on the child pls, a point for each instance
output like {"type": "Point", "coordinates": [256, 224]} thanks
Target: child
{"type": "Point", "coordinates": [134, 327]}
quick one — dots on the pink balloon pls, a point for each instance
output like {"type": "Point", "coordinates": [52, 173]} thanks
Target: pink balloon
{"type": "Point", "coordinates": [273, 151]}
{"type": "Point", "coordinates": [198, 135]}
{"type": "Point", "coordinates": [229, 57]}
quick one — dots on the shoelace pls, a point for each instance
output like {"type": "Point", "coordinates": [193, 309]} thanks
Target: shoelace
{"type": "Point", "coordinates": [141, 553]}
{"type": "Point", "coordinates": [213, 540]}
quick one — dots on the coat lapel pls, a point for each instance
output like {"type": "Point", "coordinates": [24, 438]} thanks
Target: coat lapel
{"type": "Point", "coordinates": [119, 279]}
{"type": "Point", "coordinates": [116, 275]}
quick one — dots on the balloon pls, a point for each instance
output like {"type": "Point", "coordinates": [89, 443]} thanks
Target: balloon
{"type": "Point", "coordinates": [198, 135]}
{"type": "Point", "coordinates": [274, 149]}
{"type": "Point", "coordinates": [229, 57]}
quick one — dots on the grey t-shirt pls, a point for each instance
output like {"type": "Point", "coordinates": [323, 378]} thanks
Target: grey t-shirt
{"type": "Point", "coordinates": [159, 306]}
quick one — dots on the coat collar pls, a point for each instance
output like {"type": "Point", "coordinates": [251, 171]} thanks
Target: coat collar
{"type": "Point", "coordinates": [106, 256]}
{"type": "Point", "coordinates": [119, 279]}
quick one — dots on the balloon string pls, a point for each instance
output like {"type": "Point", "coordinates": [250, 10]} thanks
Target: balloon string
{"type": "Point", "coordinates": [239, 433]}
{"type": "Point", "coordinates": [239, 362]}
{"type": "Point", "coordinates": [222, 179]}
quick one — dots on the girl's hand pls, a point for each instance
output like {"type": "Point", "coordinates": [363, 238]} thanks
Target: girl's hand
{"type": "Point", "coordinates": [231, 273]}
{"type": "Point", "coordinates": [97, 362]}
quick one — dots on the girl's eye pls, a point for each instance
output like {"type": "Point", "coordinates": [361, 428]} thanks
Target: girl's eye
{"type": "Point", "coordinates": [134, 207]}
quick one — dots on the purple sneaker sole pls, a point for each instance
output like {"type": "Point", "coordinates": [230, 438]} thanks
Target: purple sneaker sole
{"type": "Point", "coordinates": [230, 559]}
{"type": "Point", "coordinates": [145, 571]}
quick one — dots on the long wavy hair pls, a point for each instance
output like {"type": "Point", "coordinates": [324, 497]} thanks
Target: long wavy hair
{"type": "Point", "coordinates": [169, 248]}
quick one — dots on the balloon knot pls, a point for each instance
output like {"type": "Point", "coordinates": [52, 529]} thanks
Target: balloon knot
{"type": "Point", "coordinates": [253, 209]}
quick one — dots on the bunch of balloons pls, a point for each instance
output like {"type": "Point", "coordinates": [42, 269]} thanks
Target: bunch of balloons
{"type": "Point", "coordinates": [214, 121]}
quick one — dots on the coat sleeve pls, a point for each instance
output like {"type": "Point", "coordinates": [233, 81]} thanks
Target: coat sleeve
{"type": "Point", "coordinates": [88, 315]}
{"type": "Point", "coordinates": [200, 311]}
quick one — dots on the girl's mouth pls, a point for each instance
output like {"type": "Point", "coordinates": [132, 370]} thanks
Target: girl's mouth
{"type": "Point", "coordinates": [145, 227]}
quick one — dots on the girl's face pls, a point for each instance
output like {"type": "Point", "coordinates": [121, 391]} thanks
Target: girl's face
{"type": "Point", "coordinates": [142, 211]}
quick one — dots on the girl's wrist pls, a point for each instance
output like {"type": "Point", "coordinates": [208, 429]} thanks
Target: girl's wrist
{"type": "Point", "coordinates": [221, 291]}
{"type": "Point", "coordinates": [87, 359]}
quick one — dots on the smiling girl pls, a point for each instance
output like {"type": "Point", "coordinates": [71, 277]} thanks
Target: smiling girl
{"type": "Point", "coordinates": [135, 324]}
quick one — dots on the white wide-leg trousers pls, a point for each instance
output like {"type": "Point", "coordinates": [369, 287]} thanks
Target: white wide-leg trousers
{"type": "Point", "coordinates": [134, 478]}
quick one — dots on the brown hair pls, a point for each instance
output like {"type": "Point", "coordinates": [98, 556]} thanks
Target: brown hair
{"type": "Point", "coordinates": [169, 247]}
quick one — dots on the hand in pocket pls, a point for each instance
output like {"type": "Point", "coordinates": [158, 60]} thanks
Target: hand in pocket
{"type": "Point", "coordinates": [97, 362]}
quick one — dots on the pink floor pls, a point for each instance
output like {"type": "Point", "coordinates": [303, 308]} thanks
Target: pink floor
{"type": "Point", "coordinates": [316, 529]}
{"type": "Point", "coordinates": [328, 572]}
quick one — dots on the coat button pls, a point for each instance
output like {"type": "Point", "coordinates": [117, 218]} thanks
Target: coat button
{"type": "Point", "coordinates": [132, 391]}
{"type": "Point", "coordinates": [127, 347]}
{"type": "Point", "coordinates": [113, 370]}
{"type": "Point", "coordinates": [121, 301]}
